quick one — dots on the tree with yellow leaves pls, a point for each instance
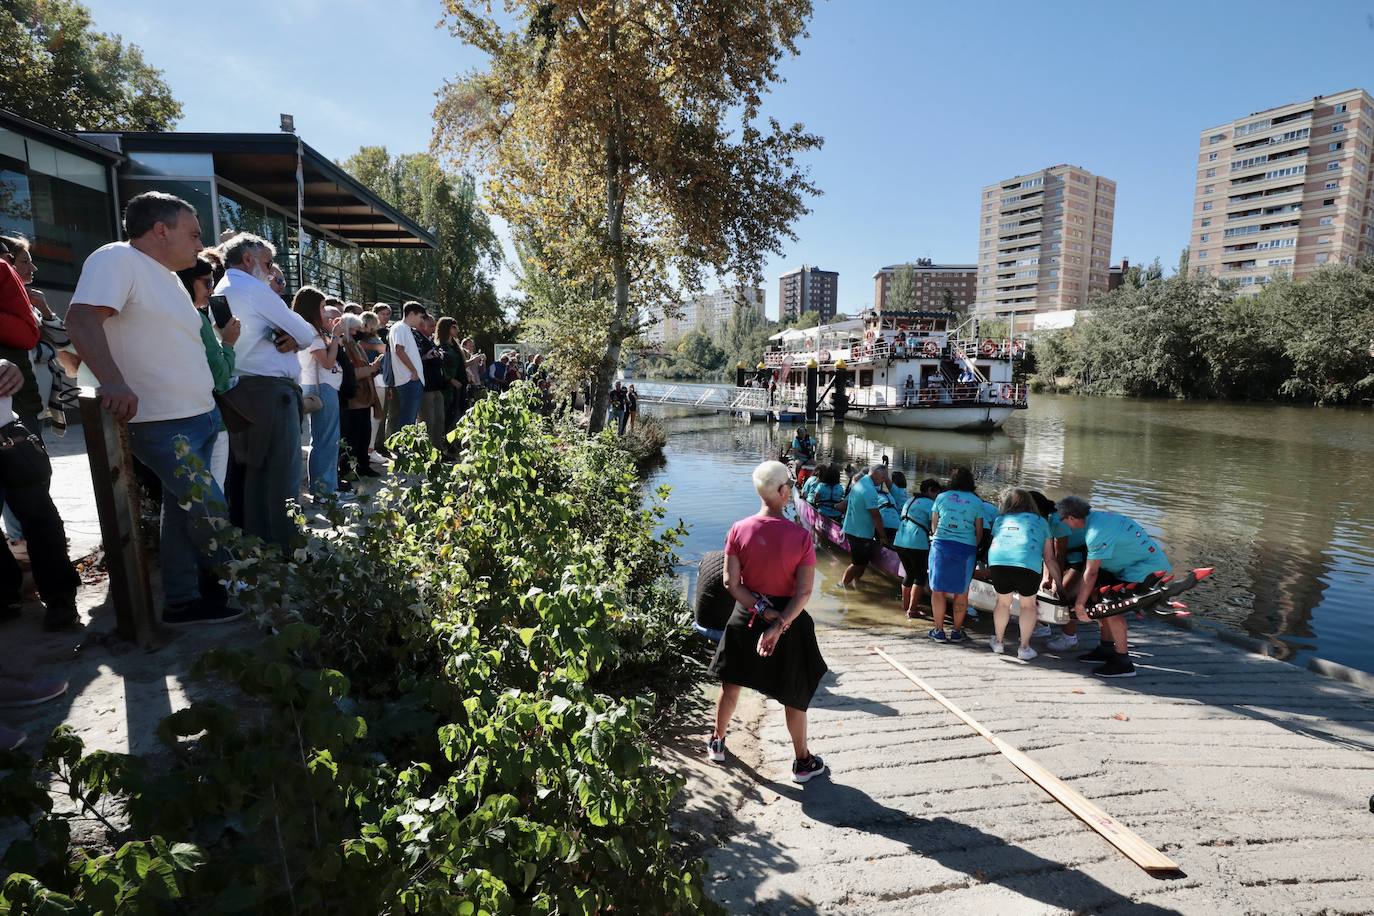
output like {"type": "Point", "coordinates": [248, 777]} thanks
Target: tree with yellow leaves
{"type": "Point", "coordinates": [624, 146]}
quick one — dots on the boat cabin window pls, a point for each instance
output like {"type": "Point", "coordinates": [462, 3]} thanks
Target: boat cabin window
{"type": "Point", "coordinates": [865, 378]}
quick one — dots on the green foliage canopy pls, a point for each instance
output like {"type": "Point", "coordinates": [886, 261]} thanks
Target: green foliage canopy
{"type": "Point", "coordinates": [61, 73]}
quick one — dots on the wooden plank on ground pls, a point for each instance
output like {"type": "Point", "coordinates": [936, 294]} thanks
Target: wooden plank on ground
{"type": "Point", "coordinates": [1112, 830]}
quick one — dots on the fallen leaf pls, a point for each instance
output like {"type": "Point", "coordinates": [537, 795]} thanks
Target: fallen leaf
{"type": "Point", "coordinates": [1121, 717]}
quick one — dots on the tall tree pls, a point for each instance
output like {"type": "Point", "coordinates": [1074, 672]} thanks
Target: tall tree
{"type": "Point", "coordinates": [901, 290]}
{"type": "Point", "coordinates": [624, 136]}
{"type": "Point", "coordinates": [459, 273]}
{"type": "Point", "coordinates": [59, 72]}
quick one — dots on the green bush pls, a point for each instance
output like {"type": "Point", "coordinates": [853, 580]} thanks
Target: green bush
{"type": "Point", "coordinates": [646, 442]}
{"type": "Point", "coordinates": [443, 720]}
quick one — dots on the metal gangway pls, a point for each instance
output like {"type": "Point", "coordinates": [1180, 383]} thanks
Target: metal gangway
{"type": "Point", "coordinates": [718, 398]}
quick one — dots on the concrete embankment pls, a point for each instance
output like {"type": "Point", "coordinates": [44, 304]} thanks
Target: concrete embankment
{"type": "Point", "coordinates": [1253, 774]}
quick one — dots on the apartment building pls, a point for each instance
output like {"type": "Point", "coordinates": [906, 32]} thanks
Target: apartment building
{"type": "Point", "coordinates": [1044, 242]}
{"type": "Point", "coordinates": [1286, 189]}
{"type": "Point", "coordinates": [808, 289]}
{"type": "Point", "coordinates": [702, 313]}
{"type": "Point", "coordinates": [937, 286]}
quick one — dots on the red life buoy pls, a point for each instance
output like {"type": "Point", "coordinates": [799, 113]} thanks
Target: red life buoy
{"type": "Point", "coordinates": [1006, 392]}
{"type": "Point", "coordinates": [932, 348]}
{"type": "Point", "coordinates": [870, 335]}
{"type": "Point", "coordinates": [989, 347]}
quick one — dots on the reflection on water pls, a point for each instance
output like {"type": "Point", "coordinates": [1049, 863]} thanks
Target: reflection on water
{"type": "Point", "coordinates": [1279, 499]}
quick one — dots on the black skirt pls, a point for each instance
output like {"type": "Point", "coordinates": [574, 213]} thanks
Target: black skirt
{"type": "Point", "coordinates": [790, 675]}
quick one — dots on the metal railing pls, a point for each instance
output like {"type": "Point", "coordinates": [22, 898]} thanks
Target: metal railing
{"type": "Point", "coordinates": [714, 397]}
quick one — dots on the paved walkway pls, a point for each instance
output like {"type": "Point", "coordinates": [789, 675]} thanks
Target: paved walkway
{"type": "Point", "coordinates": [1253, 774]}
{"type": "Point", "coordinates": [71, 490]}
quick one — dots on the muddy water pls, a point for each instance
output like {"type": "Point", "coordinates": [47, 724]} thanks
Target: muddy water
{"type": "Point", "coordinates": [1279, 499]}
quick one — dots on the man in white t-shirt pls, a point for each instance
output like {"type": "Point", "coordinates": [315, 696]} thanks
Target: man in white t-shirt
{"type": "Point", "coordinates": [407, 385]}
{"type": "Point", "coordinates": [266, 469]}
{"type": "Point", "coordinates": [134, 325]}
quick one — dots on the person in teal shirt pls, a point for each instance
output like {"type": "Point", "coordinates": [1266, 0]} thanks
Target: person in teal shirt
{"type": "Point", "coordinates": [828, 493]}
{"type": "Point", "coordinates": [1021, 548]}
{"type": "Point", "coordinates": [803, 447]}
{"type": "Point", "coordinates": [957, 526]}
{"type": "Point", "coordinates": [895, 496]}
{"type": "Point", "coordinates": [810, 486]}
{"type": "Point", "coordinates": [912, 544]}
{"type": "Point", "coordinates": [1119, 551]}
{"type": "Point", "coordinates": [863, 522]}
{"type": "Point", "coordinates": [990, 513]}
{"type": "Point", "coordinates": [1071, 550]}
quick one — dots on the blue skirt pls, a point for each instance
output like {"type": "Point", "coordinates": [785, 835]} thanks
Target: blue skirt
{"type": "Point", "coordinates": [951, 566]}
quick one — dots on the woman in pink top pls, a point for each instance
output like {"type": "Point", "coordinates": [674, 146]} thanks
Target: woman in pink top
{"type": "Point", "coordinates": [770, 642]}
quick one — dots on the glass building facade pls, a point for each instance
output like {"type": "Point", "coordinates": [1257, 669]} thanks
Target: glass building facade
{"type": "Point", "coordinates": [57, 195]}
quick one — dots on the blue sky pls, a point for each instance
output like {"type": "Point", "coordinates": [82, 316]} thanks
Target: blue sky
{"type": "Point", "coordinates": [921, 104]}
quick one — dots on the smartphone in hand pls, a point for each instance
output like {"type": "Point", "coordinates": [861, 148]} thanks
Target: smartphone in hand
{"type": "Point", "coordinates": [219, 311]}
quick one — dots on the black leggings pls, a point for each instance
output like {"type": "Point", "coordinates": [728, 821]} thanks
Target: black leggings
{"type": "Point", "coordinates": [916, 565]}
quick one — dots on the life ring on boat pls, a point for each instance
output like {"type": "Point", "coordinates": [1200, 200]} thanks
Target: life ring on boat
{"type": "Point", "coordinates": [931, 348]}
{"type": "Point", "coordinates": [989, 347]}
{"type": "Point", "coordinates": [870, 335]}
{"type": "Point", "coordinates": [1006, 392]}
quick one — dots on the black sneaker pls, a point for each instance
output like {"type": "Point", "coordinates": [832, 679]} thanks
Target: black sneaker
{"type": "Point", "coordinates": [61, 613]}
{"type": "Point", "coordinates": [194, 613]}
{"type": "Point", "coordinates": [1103, 653]}
{"type": "Point", "coordinates": [802, 770]}
{"type": "Point", "coordinates": [1117, 666]}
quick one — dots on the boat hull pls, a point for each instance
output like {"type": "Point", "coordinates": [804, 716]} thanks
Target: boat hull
{"type": "Point", "coordinates": [981, 594]}
{"type": "Point", "coordinates": [976, 417]}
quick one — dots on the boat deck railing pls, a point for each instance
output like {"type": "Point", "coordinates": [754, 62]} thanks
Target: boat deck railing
{"type": "Point", "coordinates": [863, 353]}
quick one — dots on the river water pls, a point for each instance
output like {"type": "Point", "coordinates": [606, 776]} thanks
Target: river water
{"type": "Point", "coordinates": [1279, 499]}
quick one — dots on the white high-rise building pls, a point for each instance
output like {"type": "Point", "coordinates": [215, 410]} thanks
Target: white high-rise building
{"type": "Point", "coordinates": [702, 313]}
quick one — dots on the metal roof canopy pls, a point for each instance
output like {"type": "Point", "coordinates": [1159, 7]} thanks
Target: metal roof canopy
{"type": "Point", "coordinates": [265, 164]}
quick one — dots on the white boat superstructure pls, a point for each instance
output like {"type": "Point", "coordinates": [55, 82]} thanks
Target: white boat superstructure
{"type": "Point", "coordinates": [914, 369]}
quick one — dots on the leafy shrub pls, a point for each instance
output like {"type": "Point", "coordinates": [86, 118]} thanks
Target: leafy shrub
{"type": "Point", "coordinates": [442, 722]}
{"type": "Point", "coordinates": [646, 441]}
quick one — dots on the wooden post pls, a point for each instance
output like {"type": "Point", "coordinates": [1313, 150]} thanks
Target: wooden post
{"type": "Point", "coordinates": [117, 502]}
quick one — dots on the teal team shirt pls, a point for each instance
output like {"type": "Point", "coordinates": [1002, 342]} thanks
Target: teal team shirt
{"type": "Point", "coordinates": [826, 497]}
{"type": "Point", "coordinates": [990, 513]}
{"type": "Point", "coordinates": [1019, 540]}
{"type": "Point", "coordinates": [914, 530]}
{"type": "Point", "coordinates": [958, 510]}
{"type": "Point", "coordinates": [810, 487]}
{"type": "Point", "coordinates": [891, 511]}
{"type": "Point", "coordinates": [1077, 545]}
{"type": "Point", "coordinates": [1126, 550]}
{"type": "Point", "coordinates": [863, 495]}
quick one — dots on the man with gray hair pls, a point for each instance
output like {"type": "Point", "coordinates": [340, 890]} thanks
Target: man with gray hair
{"type": "Point", "coordinates": [266, 449]}
{"type": "Point", "coordinates": [1120, 552]}
{"type": "Point", "coordinates": [134, 326]}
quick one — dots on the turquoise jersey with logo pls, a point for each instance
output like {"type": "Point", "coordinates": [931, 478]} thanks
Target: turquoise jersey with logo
{"type": "Point", "coordinates": [1077, 547]}
{"type": "Point", "coordinates": [914, 530]}
{"type": "Point", "coordinates": [1126, 550]}
{"type": "Point", "coordinates": [1019, 540]}
{"type": "Point", "coordinates": [863, 495]}
{"type": "Point", "coordinates": [810, 487]}
{"type": "Point", "coordinates": [958, 510]}
{"type": "Point", "coordinates": [892, 509]}
{"type": "Point", "coordinates": [826, 498]}
{"type": "Point", "coordinates": [990, 513]}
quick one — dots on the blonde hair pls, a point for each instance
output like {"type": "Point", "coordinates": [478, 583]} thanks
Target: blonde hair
{"type": "Point", "coordinates": [770, 475]}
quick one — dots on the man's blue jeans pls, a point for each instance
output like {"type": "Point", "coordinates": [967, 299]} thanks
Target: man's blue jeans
{"type": "Point", "coordinates": [408, 405]}
{"type": "Point", "coordinates": [185, 536]}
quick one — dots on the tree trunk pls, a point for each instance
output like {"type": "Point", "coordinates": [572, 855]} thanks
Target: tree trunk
{"type": "Point", "coordinates": [615, 213]}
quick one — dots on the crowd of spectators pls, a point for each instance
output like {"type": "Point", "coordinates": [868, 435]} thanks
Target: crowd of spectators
{"type": "Point", "coordinates": [238, 402]}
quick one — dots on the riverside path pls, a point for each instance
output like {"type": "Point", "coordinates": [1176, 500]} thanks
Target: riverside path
{"type": "Point", "coordinates": [1253, 774]}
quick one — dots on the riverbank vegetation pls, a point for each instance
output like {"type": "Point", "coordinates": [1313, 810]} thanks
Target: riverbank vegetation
{"type": "Point", "coordinates": [449, 715]}
{"type": "Point", "coordinates": [1194, 336]}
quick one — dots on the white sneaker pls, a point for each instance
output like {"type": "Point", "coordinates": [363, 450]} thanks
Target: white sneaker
{"type": "Point", "coordinates": [995, 645]}
{"type": "Point", "coordinates": [1041, 631]}
{"type": "Point", "coordinates": [1062, 643]}
{"type": "Point", "coordinates": [1026, 653]}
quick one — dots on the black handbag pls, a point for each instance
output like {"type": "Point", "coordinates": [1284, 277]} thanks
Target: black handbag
{"type": "Point", "coordinates": [23, 459]}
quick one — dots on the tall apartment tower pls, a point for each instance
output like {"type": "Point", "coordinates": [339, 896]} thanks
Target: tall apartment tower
{"type": "Point", "coordinates": [808, 289]}
{"type": "Point", "coordinates": [1287, 189]}
{"type": "Point", "coordinates": [1045, 240]}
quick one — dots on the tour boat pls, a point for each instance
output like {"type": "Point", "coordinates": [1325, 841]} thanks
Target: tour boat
{"type": "Point", "coordinates": [912, 369]}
